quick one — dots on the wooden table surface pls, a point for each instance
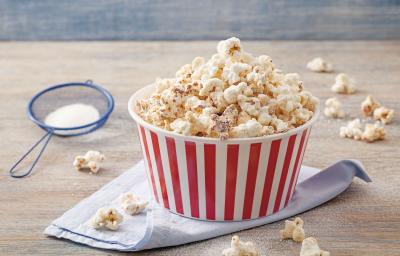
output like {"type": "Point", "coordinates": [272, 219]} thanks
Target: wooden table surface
{"type": "Point", "coordinates": [364, 220]}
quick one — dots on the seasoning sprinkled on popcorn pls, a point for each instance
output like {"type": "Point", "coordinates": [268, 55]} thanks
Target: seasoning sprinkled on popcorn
{"type": "Point", "coordinates": [232, 95]}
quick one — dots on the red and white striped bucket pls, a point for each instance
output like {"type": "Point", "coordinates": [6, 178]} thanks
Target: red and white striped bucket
{"type": "Point", "coordinates": [210, 179]}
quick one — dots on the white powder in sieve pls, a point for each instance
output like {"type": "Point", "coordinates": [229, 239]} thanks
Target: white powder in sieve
{"type": "Point", "coordinates": [72, 115]}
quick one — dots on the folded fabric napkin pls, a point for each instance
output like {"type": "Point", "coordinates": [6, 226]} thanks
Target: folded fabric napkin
{"type": "Point", "coordinates": [157, 227]}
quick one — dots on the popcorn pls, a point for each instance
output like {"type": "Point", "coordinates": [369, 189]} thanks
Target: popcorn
{"type": "Point", "coordinates": [310, 247]}
{"type": "Point", "coordinates": [380, 113]}
{"type": "Point", "coordinates": [251, 105]}
{"type": "Point", "coordinates": [230, 48]}
{"type": "Point", "coordinates": [220, 126]}
{"type": "Point", "coordinates": [233, 94]}
{"type": "Point", "coordinates": [239, 248]}
{"type": "Point", "coordinates": [352, 130]}
{"type": "Point", "coordinates": [181, 126]}
{"type": "Point", "coordinates": [235, 72]}
{"type": "Point", "coordinates": [243, 117]}
{"type": "Point", "coordinates": [163, 84]}
{"type": "Point", "coordinates": [319, 65]}
{"type": "Point", "coordinates": [333, 108]}
{"type": "Point", "coordinates": [369, 133]}
{"type": "Point", "coordinates": [383, 114]}
{"type": "Point", "coordinates": [106, 217]}
{"type": "Point", "coordinates": [343, 84]}
{"type": "Point", "coordinates": [132, 204]}
{"type": "Point", "coordinates": [197, 63]}
{"type": "Point", "coordinates": [373, 132]}
{"type": "Point", "coordinates": [293, 80]}
{"type": "Point", "coordinates": [210, 85]}
{"type": "Point", "coordinates": [264, 117]}
{"type": "Point", "coordinates": [369, 105]}
{"type": "Point", "coordinates": [251, 128]}
{"type": "Point", "coordinates": [217, 99]}
{"type": "Point", "coordinates": [308, 101]}
{"type": "Point", "coordinates": [279, 125]}
{"type": "Point", "coordinates": [300, 116]}
{"type": "Point", "coordinates": [91, 160]}
{"type": "Point", "coordinates": [293, 230]}
{"type": "Point", "coordinates": [194, 103]}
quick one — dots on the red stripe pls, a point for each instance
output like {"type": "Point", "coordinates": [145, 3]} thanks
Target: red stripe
{"type": "Point", "coordinates": [286, 164]}
{"type": "Point", "coordinates": [173, 166]}
{"type": "Point", "coordinates": [146, 150]}
{"type": "Point", "coordinates": [269, 177]}
{"type": "Point", "coordinates": [252, 168]}
{"type": "Point", "coordinates": [302, 157]}
{"type": "Point", "coordinates": [209, 165]}
{"type": "Point", "coordinates": [231, 176]}
{"type": "Point", "coordinates": [191, 163]}
{"type": "Point", "coordinates": [157, 156]}
{"type": "Point", "coordinates": [296, 163]}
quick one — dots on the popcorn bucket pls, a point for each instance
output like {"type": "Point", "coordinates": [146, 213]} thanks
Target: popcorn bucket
{"type": "Point", "coordinates": [215, 180]}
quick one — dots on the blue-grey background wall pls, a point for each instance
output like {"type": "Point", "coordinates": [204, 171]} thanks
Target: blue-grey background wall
{"type": "Point", "coordinates": [198, 20]}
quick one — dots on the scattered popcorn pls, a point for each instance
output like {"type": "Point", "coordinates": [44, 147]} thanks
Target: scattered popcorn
{"type": "Point", "coordinates": [132, 204]}
{"type": "Point", "coordinates": [373, 132]}
{"type": "Point", "coordinates": [352, 130]}
{"type": "Point", "coordinates": [380, 113]}
{"type": "Point", "coordinates": [106, 217]}
{"type": "Point", "coordinates": [239, 248]}
{"type": "Point", "coordinates": [333, 108]}
{"type": "Point", "coordinates": [370, 133]}
{"type": "Point", "coordinates": [293, 230]}
{"type": "Point", "coordinates": [310, 247]}
{"type": "Point", "coordinates": [369, 105]}
{"type": "Point", "coordinates": [91, 160]}
{"type": "Point", "coordinates": [383, 114]}
{"type": "Point", "coordinates": [231, 95]}
{"type": "Point", "coordinates": [343, 84]}
{"type": "Point", "coordinates": [319, 65]}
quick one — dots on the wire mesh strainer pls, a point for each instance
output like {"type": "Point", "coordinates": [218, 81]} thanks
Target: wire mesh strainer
{"type": "Point", "coordinates": [54, 97]}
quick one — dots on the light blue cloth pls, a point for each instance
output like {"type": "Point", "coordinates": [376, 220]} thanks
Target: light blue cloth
{"type": "Point", "coordinates": [157, 227]}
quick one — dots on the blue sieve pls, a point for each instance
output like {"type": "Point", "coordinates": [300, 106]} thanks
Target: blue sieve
{"type": "Point", "coordinates": [54, 97]}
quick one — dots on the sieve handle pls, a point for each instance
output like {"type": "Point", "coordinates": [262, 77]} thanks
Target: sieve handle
{"type": "Point", "coordinates": [46, 138]}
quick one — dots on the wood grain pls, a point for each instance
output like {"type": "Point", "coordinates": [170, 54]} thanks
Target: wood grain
{"type": "Point", "coordinates": [198, 20]}
{"type": "Point", "coordinates": [364, 220]}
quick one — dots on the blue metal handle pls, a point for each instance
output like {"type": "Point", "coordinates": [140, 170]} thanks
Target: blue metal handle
{"type": "Point", "coordinates": [46, 138]}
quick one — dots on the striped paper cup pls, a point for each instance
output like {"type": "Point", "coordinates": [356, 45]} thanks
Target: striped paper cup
{"type": "Point", "coordinates": [210, 179]}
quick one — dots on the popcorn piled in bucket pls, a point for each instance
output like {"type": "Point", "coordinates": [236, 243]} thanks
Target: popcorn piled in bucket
{"type": "Point", "coordinates": [232, 95]}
